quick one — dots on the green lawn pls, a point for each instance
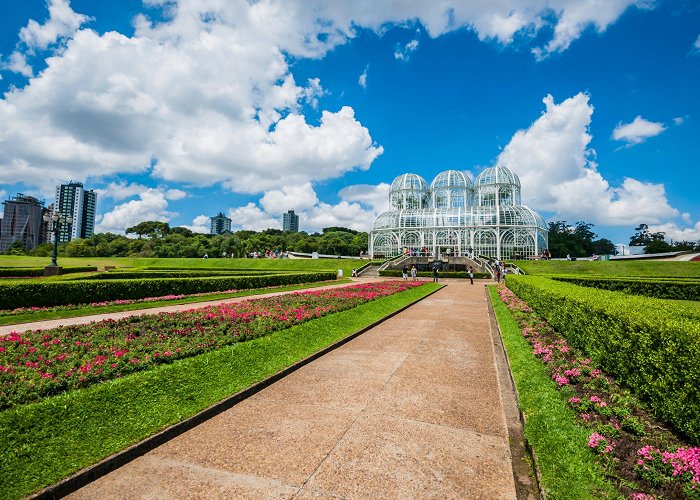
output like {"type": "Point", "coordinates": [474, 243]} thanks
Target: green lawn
{"type": "Point", "coordinates": [567, 466]}
{"type": "Point", "coordinates": [89, 311]}
{"type": "Point", "coordinates": [611, 268]}
{"type": "Point", "coordinates": [52, 439]}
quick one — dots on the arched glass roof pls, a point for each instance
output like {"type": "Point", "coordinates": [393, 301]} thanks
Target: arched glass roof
{"type": "Point", "coordinates": [497, 175]}
{"type": "Point", "coordinates": [451, 179]}
{"type": "Point", "coordinates": [413, 182]}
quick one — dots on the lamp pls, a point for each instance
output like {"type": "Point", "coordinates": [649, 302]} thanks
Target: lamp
{"type": "Point", "coordinates": [56, 222]}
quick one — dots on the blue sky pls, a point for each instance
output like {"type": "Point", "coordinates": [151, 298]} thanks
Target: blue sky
{"type": "Point", "coordinates": [177, 110]}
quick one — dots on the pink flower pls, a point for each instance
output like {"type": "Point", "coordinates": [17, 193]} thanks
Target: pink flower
{"type": "Point", "coordinates": [574, 400]}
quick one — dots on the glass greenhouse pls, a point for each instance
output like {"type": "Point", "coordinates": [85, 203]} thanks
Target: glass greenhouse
{"type": "Point", "coordinates": [452, 216]}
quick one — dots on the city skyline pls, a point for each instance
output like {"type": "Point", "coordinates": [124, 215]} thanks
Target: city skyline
{"type": "Point", "coordinates": [173, 110]}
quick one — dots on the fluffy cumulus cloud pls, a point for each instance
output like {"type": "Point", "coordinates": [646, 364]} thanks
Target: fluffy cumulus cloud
{"type": "Point", "coordinates": [358, 206]}
{"type": "Point", "coordinates": [674, 232]}
{"type": "Point", "coordinates": [200, 224]}
{"type": "Point", "coordinates": [638, 131]}
{"type": "Point", "coordinates": [152, 204]}
{"type": "Point", "coordinates": [404, 53]}
{"type": "Point", "coordinates": [63, 22]}
{"type": "Point", "coordinates": [553, 160]}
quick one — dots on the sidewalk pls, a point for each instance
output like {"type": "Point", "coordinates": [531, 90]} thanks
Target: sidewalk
{"type": "Point", "coordinates": [410, 409]}
{"type": "Point", "coordinates": [82, 320]}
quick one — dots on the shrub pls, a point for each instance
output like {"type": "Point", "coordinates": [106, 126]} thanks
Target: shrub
{"type": "Point", "coordinates": [53, 293]}
{"type": "Point", "coordinates": [192, 273]}
{"type": "Point", "coordinates": [651, 346]}
{"type": "Point", "coordinates": [26, 272]}
{"type": "Point", "coordinates": [657, 288]}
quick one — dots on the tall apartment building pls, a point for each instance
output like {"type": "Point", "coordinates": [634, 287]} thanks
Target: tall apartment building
{"type": "Point", "coordinates": [72, 200]}
{"type": "Point", "coordinates": [220, 224]}
{"type": "Point", "coordinates": [290, 222]}
{"type": "Point", "coordinates": [22, 221]}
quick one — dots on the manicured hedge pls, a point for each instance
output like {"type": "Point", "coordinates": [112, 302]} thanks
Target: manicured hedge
{"type": "Point", "coordinates": [658, 288]}
{"type": "Point", "coordinates": [12, 272]}
{"type": "Point", "coordinates": [129, 275]}
{"type": "Point", "coordinates": [54, 293]}
{"type": "Point", "coordinates": [442, 274]}
{"type": "Point", "coordinates": [650, 345]}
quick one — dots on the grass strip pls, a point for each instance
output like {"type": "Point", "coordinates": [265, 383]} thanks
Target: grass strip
{"type": "Point", "coordinates": [568, 468]}
{"type": "Point", "coordinates": [50, 440]}
{"type": "Point", "coordinates": [89, 310]}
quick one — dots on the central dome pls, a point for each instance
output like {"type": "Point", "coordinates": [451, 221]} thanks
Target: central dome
{"type": "Point", "coordinates": [409, 191]}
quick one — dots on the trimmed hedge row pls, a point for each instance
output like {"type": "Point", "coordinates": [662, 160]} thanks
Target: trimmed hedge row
{"type": "Point", "coordinates": [56, 293]}
{"type": "Point", "coordinates": [131, 275]}
{"type": "Point", "coordinates": [657, 288]}
{"type": "Point", "coordinates": [26, 272]}
{"type": "Point", "coordinates": [648, 344]}
{"type": "Point", "coordinates": [443, 274]}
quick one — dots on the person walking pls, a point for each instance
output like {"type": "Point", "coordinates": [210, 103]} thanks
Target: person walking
{"type": "Point", "coordinates": [470, 270]}
{"type": "Point", "coordinates": [404, 272]}
{"type": "Point", "coordinates": [435, 274]}
{"type": "Point", "coordinates": [414, 273]}
{"type": "Point", "coordinates": [498, 273]}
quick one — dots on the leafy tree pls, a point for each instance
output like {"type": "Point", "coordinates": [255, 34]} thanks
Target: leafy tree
{"type": "Point", "coordinates": [16, 248]}
{"type": "Point", "coordinates": [151, 228]}
{"type": "Point", "coordinates": [604, 246]}
{"type": "Point", "coordinates": [658, 246]}
{"type": "Point", "coordinates": [643, 236]}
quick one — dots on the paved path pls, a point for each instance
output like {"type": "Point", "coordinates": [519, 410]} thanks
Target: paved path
{"type": "Point", "coordinates": [82, 320]}
{"type": "Point", "coordinates": [410, 409]}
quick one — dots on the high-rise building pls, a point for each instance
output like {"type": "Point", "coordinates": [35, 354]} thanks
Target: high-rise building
{"type": "Point", "coordinates": [220, 224]}
{"type": "Point", "coordinates": [290, 221]}
{"type": "Point", "coordinates": [21, 222]}
{"type": "Point", "coordinates": [72, 200]}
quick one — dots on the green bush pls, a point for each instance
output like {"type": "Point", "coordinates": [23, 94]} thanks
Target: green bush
{"type": "Point", "coordinates": [26, 272]}
{"type": "Point", "coordinates": [54, 293]}
{"type": "Point", "coordinates": [442, 274]}
{"type": "Point", "coordinates": [195, 273]}
{"type": "Point", "coordinates": [658, 288]}
{"type": "Point", "coordinates": [650, 345]}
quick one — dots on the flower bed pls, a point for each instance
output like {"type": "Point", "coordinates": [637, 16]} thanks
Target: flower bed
{"type": "Point", "coordinates": [639, 453]}
{"type": "Point", "coordinates": [106, 303]}
{"type": "Point", "coordinates": [38, 364]}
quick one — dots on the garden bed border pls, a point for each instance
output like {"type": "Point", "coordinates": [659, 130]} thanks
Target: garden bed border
{"type": "Point", "coordinates": [515, 429]}
{"type": "Point", "coordinates": [119, 459]}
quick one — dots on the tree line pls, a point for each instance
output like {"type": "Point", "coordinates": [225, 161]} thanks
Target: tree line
{"type": "Point", "coordinates": [158, 239]}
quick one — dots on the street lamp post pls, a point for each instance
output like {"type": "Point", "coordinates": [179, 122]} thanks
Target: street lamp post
{"type": "Point", "coordinates": [56, 222]}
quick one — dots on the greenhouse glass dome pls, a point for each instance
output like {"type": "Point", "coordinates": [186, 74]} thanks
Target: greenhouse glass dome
{"type": "Point", "coordinates": [454, 216]}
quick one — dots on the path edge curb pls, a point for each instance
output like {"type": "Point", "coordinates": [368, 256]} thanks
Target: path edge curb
{"type": "Point", "coordinates": [528, 448]}
{"type": "Point", "coordinates": [93, 472]}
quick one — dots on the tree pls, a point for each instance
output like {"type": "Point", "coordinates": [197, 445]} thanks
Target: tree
{"type": "Point", "coordinates": [658, 246]}
{"type": "Point", "coordinates": [604, 246]}
{"type": "Point", "coordinates": [151, 228]}
{"type": "Point", "coordinates": [643, 236]}
{"type": "Point", "coordinates": [16, 248]}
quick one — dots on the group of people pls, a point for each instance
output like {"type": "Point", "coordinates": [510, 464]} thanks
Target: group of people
{"type": "Point", "coordinates": [500, 271]}
{"type": "Point", "coordinates": [413, 271]}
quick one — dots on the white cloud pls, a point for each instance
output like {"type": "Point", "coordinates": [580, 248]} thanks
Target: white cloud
{"type": "Point", "coordinates": [251, 217]}
{"type": "Point", "coordinates": [404, 53]}
{"type": "Point", "coordinates": [296, 198]}
{"type": "Point", "coordinates": [18, 64]}
{"type": "Point", "coordinates": [638, 131]}
{"type": "Point", "coordinates": [205, 95]}
{"type": "Point", "coordinates": [678, 120]}
{"type": "Point", "coordinates": [553, 160]}
{"type": "Point", "coordinates": [200, 224]}
{"type": "Point", "coordinates": [121, 190]}
{"type": "Point", "coordinates": [3, 194]}
{"type": "Point", "coordinates": [151, 205]}
{"type": "Point", "coordinates": [674, 232]}
{"type": "Point", "coordinates": [175, 194]}
{"type": "Point", "coordinates": [374, 197]}
{"type": "Point", "coordinates": [686, 217]}
{"type": "Point", "coordinates": [63, 22]}
{"type": "Point", "coordinates": [696, 45]}
{"type": "Point", "coordinates": [362, 81]}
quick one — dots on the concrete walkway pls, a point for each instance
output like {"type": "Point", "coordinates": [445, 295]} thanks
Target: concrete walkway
{"type": "Point", "coordinates": [410, 409]}
{"type": "Point", "coordinates": [83, 320]}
